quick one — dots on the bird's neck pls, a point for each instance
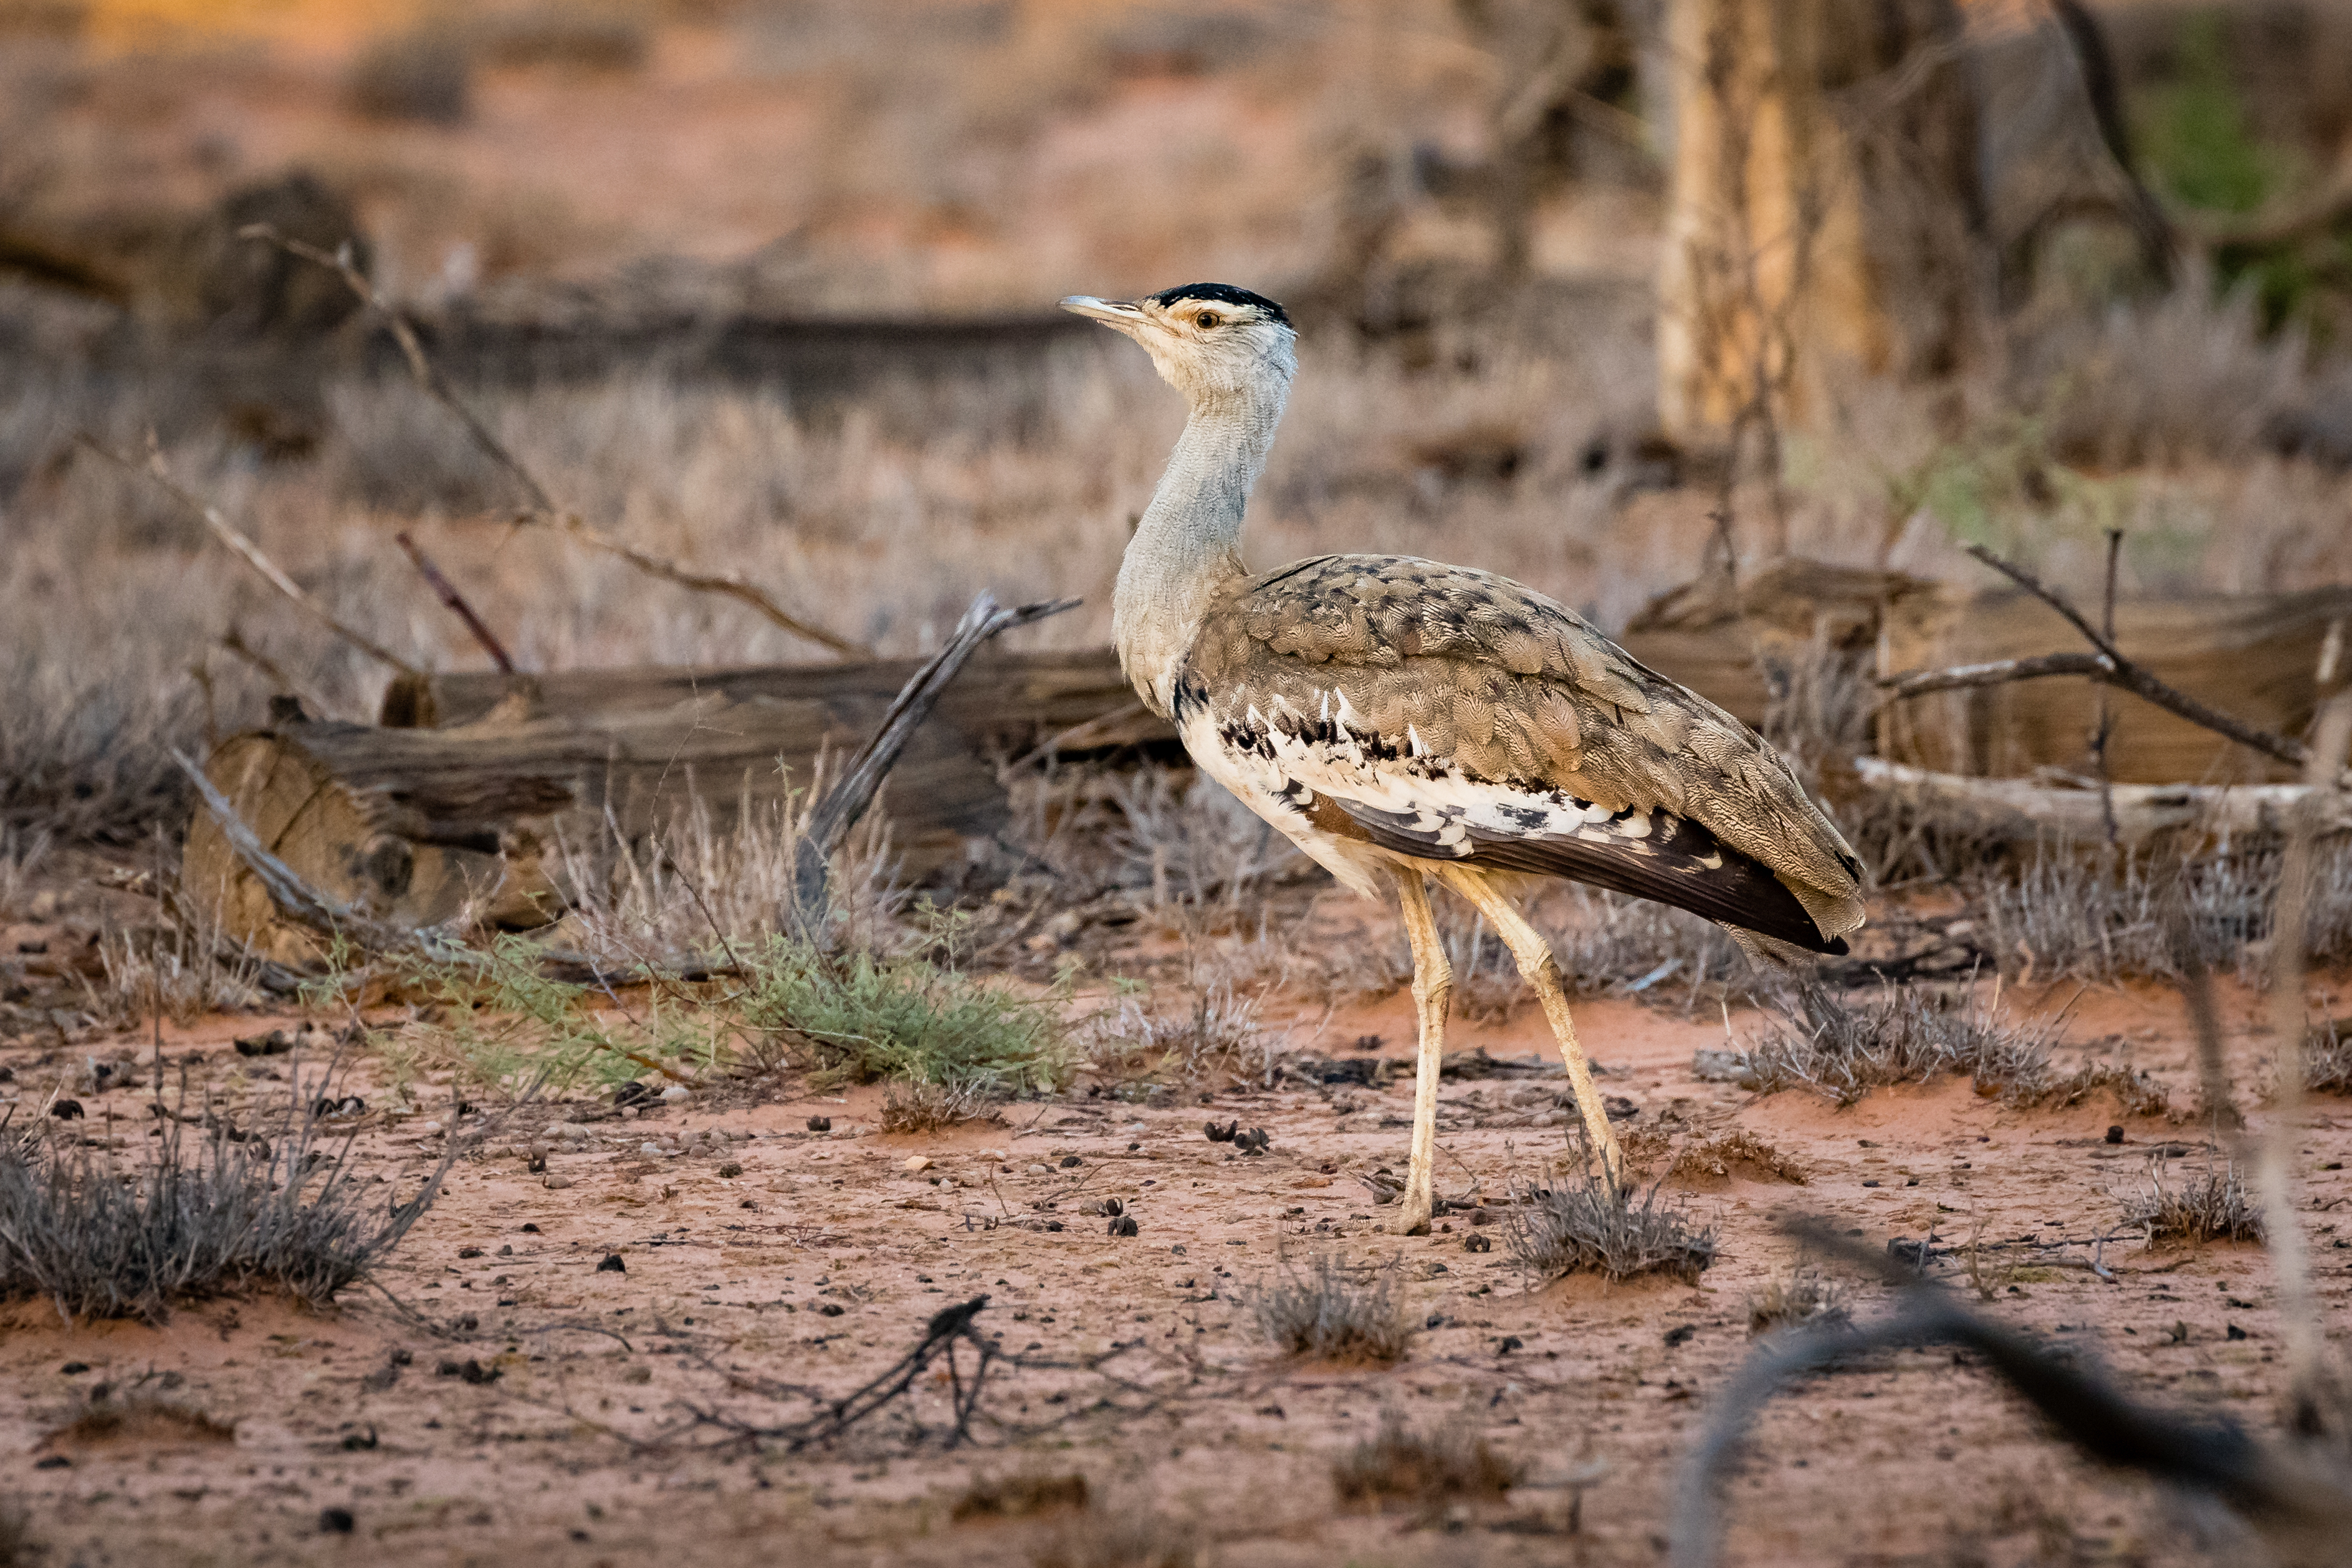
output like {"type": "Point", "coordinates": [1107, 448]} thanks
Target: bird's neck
{"type": "Point", "coordinates": [1188, 546]}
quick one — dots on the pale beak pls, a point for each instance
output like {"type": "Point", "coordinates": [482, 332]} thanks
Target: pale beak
{"type": "Point", "coordinates": [1122, 314]}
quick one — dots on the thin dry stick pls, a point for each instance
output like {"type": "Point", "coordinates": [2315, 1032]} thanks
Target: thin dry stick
{"type": "Point", "coordinates": [2300, 1314]}
{"type": "Point", "coordinates": [2106, 725]}
{"type": "Point", "coordinates": [250, 553]}
{"type": "Point", "coordinates": [542, 509]}
{"type": "Point", "coordinates": [831, 819]}
{"type": "Point", "coordinates": [446, 592]}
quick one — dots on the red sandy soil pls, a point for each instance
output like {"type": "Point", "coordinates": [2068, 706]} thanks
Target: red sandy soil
{"type": "Point", "coordinates": [580, 1451]}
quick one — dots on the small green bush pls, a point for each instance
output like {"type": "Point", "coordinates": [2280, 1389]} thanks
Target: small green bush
{"type": "Point", "coordinates": [868, 1016]}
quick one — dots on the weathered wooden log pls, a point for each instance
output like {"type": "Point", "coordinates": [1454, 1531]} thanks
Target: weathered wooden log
{"type": "Point", "coordinates": [1007, 702]}
{"type": "Point", "coordinates": [414, 825]}
{"type": "Point", "coordinates": [2023, 811]}
{"type": "Point", "coordinates": [2257, 657]}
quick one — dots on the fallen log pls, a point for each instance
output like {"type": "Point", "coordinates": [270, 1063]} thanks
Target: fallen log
{"type": "Point", "coordinates": [417, 827]}
{"type": "Point", "coordinates": [2024, 810]}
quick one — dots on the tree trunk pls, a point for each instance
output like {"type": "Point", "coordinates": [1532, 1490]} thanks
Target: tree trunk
{"type": "Point", "coordinates": [1824, 215]}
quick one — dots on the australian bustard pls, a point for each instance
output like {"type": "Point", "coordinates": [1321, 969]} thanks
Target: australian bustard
{"type": "Point", "coordinates": [1400, 717]}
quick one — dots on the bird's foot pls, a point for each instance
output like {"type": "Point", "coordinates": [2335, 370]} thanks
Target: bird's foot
{"type": "Point", "coordinates": [1412, 1218]}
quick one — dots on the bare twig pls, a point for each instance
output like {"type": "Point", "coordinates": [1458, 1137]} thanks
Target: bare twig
{"type": "Point", "coordinates": [448, 595]}
{"type": "Point", "coordinates": [949, 1327]}
{"type": "Point", "coordinates": [542, 509]}
{"type": "Point", "coordinates": [2109, 666]}
{"type": "Point", "coordinates": [2106, 727]}
{"type": "Point", "coordinates": [831, 819]}
{"type": "Point", "coordinates": [229, 534]}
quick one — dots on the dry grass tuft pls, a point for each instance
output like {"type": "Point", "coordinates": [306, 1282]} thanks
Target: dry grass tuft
{"type": "Point", "coordinates": [1431, 1468]}
{"type": "Point", "coordinates": [913, 1107]}
{"type": "Point", "coordinates": [1820, 1040]}
{"type": "Point", "coordinates": [1803, 1298]}
{"type": "Point", "coordinates": [2135, 1093]}
{"type": "Point", "coordinates": [2213, 1206]}
{"type": "Point", "coordinates": [1123, 1538]}
{"type": "Point", "coordinates": [1326, 1310]}
{"type": "Point", "coordinates": [1587, 1224]}
{"type": "Point", "coordinates": [227, 1214]}
{"type": "Point", "coordinates": [144, 1421]}
{"type": "Point", "coordinates": [1218, 1035]}
{"type": "Point", "coordinates": [22, 850]}
{"type": "Point", "coordinates": [1737, 1152]}
{"type": "Point", "coordinates": [2083, 914]}
{"type": "Point", "coordinates": [1024, 1495]}
{"type": "Point", "coordinates": [2327, 1058]}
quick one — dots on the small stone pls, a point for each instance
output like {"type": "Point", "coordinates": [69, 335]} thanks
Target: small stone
{"type": "Point", "coordinates": [557, 1184]}
{"type": "Point", "coordinates": [428, 1127]}
{"type": "Point", "coordinates": [654, 1150]}
{"type": "Point", "coordinates": [612, 1265]}
{"type": "Point", "coordinates": [731, 1169]}
{"type": "Point", "coordinates": [916, 1163]}
{"type": "Point", "coordinates": [677, 1094]}
{"type": "Point", "coordinates": [336, 1521]}
{"type": "Point", "coordinates": [820, 1124]}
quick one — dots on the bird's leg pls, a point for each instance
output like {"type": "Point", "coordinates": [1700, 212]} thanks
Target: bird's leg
{"type": "Point", "coordinates": [1536, 964]}
{"type": "Point", "coordinates": [1432, 986]}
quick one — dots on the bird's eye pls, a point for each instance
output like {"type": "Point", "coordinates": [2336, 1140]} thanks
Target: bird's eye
{"type": "Point", "coordinates": [1208, 319]}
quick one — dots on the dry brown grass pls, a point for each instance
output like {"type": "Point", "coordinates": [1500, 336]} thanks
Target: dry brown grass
{"type": "Point", "coordinates": [1803, 1297]}
{"type": "Point", "coordinates": [1399, 1464]}
{"type": "Point", "coordinates": [1132, 1537]}
{"type": "Point", "coordinates": [2213, 1205]}
{"type": "Point", "coordinates": [1586, 1224]}
{"type": "Point", "coordinates": [1325, 1310]}
{"type": "Point", "coordinates": [1737, 1152]}
{"type": "Point", "coordinates": [1025, 1494]}
{"type": "Point", "coordinates": [141, 1419]}
{"type": "Point", "coordinates": [929, 1107]}
{"type": "Point", "coordinates": [2327, 1058]}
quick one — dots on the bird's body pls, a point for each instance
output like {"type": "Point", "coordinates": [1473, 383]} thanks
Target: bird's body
{"type": "Point", "coordinates": [1401, 717]}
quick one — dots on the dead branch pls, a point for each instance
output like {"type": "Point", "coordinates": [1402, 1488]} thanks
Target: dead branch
{"type": "Point", "coordinates": [448, 595]}
{"type": "Point", "coordinates": [250, 553]}
{"type": "Point", "coordinates": [950, 1327]}
{"type": "Point", "coordinates": [542, 509]}
{"type": "Point", "coordinates": [2294, 1497]}
{"type": "Point", "coordinates": [2027, 809]}
{"type": "Point", "coordinates": [2107, 666]}
{"type": "Point", "coordinates": [831, 819]}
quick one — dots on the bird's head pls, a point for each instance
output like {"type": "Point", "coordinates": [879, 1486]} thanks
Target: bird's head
{"type": "Point", "coordinates": [1212, 341]}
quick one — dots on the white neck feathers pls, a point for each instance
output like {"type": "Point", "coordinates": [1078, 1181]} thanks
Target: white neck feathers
{"type": "Point", "coordinates": [1188, 545]}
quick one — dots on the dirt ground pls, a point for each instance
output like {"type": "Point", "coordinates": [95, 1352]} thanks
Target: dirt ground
{"type": "Point", "coordinates": [510, 1397]}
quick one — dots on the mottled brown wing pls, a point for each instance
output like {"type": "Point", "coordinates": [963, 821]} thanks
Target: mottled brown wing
{"type": "Point", "coordinates": [1486, 678]}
